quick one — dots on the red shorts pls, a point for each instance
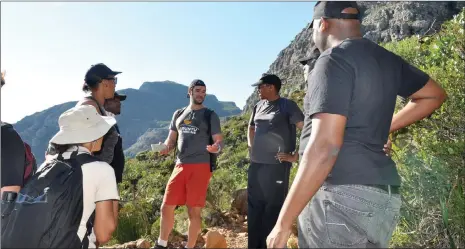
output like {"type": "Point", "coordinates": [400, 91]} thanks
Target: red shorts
{"type": "Point", "coordinates": [188, 185]}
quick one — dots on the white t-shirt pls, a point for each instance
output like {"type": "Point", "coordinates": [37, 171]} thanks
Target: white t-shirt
{"type": "Point", "coordinates": [99, 184]}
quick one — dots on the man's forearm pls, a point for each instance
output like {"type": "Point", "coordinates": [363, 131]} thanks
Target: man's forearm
{"type": "Point", "coordinates": [317, 162]}
{"type": "Point", "coordinates": [415, 110]}
{"type": "Point", "coordinates": [250, 135]}
{"type": "Point", "coordinates": [170, 142]}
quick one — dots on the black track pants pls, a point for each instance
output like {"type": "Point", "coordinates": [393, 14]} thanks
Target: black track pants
{"type": "Point", "coordinates": [267, 188]}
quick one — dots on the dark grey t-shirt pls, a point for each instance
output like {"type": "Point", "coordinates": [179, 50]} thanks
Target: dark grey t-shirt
{"type": "Point", "coordinates": [272, 133]}
{"type": "Point", "coordinates": [360, 80]}
{"type": "Point", "coordinates": [193, 139]}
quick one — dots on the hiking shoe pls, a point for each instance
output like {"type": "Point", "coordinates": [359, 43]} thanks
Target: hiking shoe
{"type": "Point", "coordinates": [159, 246]}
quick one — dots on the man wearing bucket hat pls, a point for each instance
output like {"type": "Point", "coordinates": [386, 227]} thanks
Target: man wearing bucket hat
{"type": "Point", "coordinates": [77, 185]}
{"type": "Point", "coordinates": [346, 191]}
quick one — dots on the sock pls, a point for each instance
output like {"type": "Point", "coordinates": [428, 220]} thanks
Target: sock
{"type": "Point", "coordinates": [162, 242]}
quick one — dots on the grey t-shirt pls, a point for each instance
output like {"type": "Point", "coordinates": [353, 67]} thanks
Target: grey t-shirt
{"type": "Point", "coordinates": [360, 80]}
{"type": "Point", "coordinates": [193, 139]}
{"type": "Point", "coordinates": [272, 132]}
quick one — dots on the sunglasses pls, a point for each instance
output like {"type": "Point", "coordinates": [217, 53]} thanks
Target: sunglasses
{"type": "Point", "coordinates": [113, 79]}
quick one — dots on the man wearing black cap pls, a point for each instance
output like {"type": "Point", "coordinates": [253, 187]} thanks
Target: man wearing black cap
{"type": "Point", "coordinates": [113, 107]}
{"type": "Point", "coordinates": [347, 189]}
{"type": "Point", "coordinates": [272, 140]}
{"type": "Point", "coordinates": [197, 132]}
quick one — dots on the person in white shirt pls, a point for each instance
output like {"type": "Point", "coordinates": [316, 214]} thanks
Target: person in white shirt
{"type": "Point", "coordinates": [82, 129]}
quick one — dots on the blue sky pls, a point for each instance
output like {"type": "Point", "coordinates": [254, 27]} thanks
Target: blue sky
{"type": "Point", "coordinates": [47, 47]}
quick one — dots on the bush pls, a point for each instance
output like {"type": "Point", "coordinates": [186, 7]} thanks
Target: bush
{"type": "Point", "coordinates": [430, 154]}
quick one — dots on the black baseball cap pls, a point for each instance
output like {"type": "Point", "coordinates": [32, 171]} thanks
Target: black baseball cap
{"type": "Point", "coordinates": [195, 83]}
{"type": "Point", "coordinates": [269, 79]}
{"type": "Point", "coordinates": [119, 96]}
{"type": "Point", "coordinates": [98, 72]}
{"type": "Point", "coordinates": [333, 10]}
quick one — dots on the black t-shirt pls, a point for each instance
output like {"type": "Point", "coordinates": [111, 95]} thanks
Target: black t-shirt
{"type": "Point", "coordinates": [272, 132]}
{"type": "Point", "coordinates": [13, 157]}
{"type": "Point", "coordinates": [360, 80]}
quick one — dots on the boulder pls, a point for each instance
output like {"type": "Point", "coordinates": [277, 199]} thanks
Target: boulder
{"type": "Point", "coordinates": [214, 239]}
{"type": "Point", "coordinates": [239, 203]}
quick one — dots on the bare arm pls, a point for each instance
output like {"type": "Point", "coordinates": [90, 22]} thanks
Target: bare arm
{"type": "Point", "coordinates": [170, 142]}
{"type": "Point", "coordinates": [317, 162]}
{"type": "Point", "coordinates": [250, 135]}
{"type": "Point", "coordinates": [105, 223]}
{"type": "Point", "coordinates": [11, 189]}
{"type": "Point", "coordinates": [423, 103]}
{"type": "Point", "coordinates": [300, 125]}
{"type": "Point", "coordinates": [115, 210]}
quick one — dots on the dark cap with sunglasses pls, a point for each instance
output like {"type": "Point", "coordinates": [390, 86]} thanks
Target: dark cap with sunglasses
{"type": "Point", "coordinates": [333, 10]}
{"type": "Point", "coordinates": [98, 72]}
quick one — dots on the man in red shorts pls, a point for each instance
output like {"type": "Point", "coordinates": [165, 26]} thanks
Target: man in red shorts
{"type": "Point", "coordinates": [197, 131]}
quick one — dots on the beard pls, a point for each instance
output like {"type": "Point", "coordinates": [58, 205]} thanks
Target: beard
{"type": "Point", "coordinates": [197, 102]}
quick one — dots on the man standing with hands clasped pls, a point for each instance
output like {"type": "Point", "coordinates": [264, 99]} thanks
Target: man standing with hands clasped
{"type": "Point", "coordinates": [197, 131]}
{"type": "Point", "coordinates": [346, 191]}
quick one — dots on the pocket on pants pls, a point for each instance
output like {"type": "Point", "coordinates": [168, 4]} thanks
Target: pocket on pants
{"type": "Point", "coordinates": [346, 226]}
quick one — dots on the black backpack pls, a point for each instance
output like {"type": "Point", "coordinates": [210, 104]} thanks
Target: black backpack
{"type": "Point", "coordinates": [207, 116]}
{"type": "Point", "coordinates": [49, 208]}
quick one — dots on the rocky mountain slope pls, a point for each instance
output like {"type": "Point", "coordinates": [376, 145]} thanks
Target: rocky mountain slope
{"type": "Point", "coordinates": [382, 22]}
{"type": "Point", "coordinates": [146, 112]}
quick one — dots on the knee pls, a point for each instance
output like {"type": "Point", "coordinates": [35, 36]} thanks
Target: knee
{"type": "Point", "coordinates": [194, 213]}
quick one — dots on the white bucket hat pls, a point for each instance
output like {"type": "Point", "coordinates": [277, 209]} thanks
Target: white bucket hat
{"type": "Point", "coordinates": [82, 124]}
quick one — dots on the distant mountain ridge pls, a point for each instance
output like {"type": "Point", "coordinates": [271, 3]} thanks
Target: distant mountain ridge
{"type": "Point", "coordinates": [146, 109]}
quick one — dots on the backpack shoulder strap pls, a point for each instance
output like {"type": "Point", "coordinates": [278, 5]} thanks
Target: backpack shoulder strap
{"type": "Point", "coordinates": [85, 158]}
{"type": "Point", "coordinates": [102, 110]}
{"type": "Point", "coordinates": [177, 114]}
{"type": "Point", "coordinates": [208, 118]}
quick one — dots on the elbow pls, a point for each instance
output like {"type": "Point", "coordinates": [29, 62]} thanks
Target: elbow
{"type": "Point", "coordinates": [324, 149]}
{"type": "Point", "coordinates": [103, 234]}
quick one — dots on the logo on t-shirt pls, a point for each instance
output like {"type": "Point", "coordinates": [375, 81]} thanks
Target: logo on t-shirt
{"type": "Point", "coordinates": [187, 128]}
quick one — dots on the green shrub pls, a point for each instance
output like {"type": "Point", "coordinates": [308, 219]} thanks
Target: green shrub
{"type": "Point", "coordinates": [430, 154]}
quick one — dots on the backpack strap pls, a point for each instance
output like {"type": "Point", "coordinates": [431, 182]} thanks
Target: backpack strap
{"type": "Point", "coordinates": [102, 110]}
{"type": "Point", "coordinates": [208, 118]}
{"type": "Point", "coordinates": [178, 113]}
